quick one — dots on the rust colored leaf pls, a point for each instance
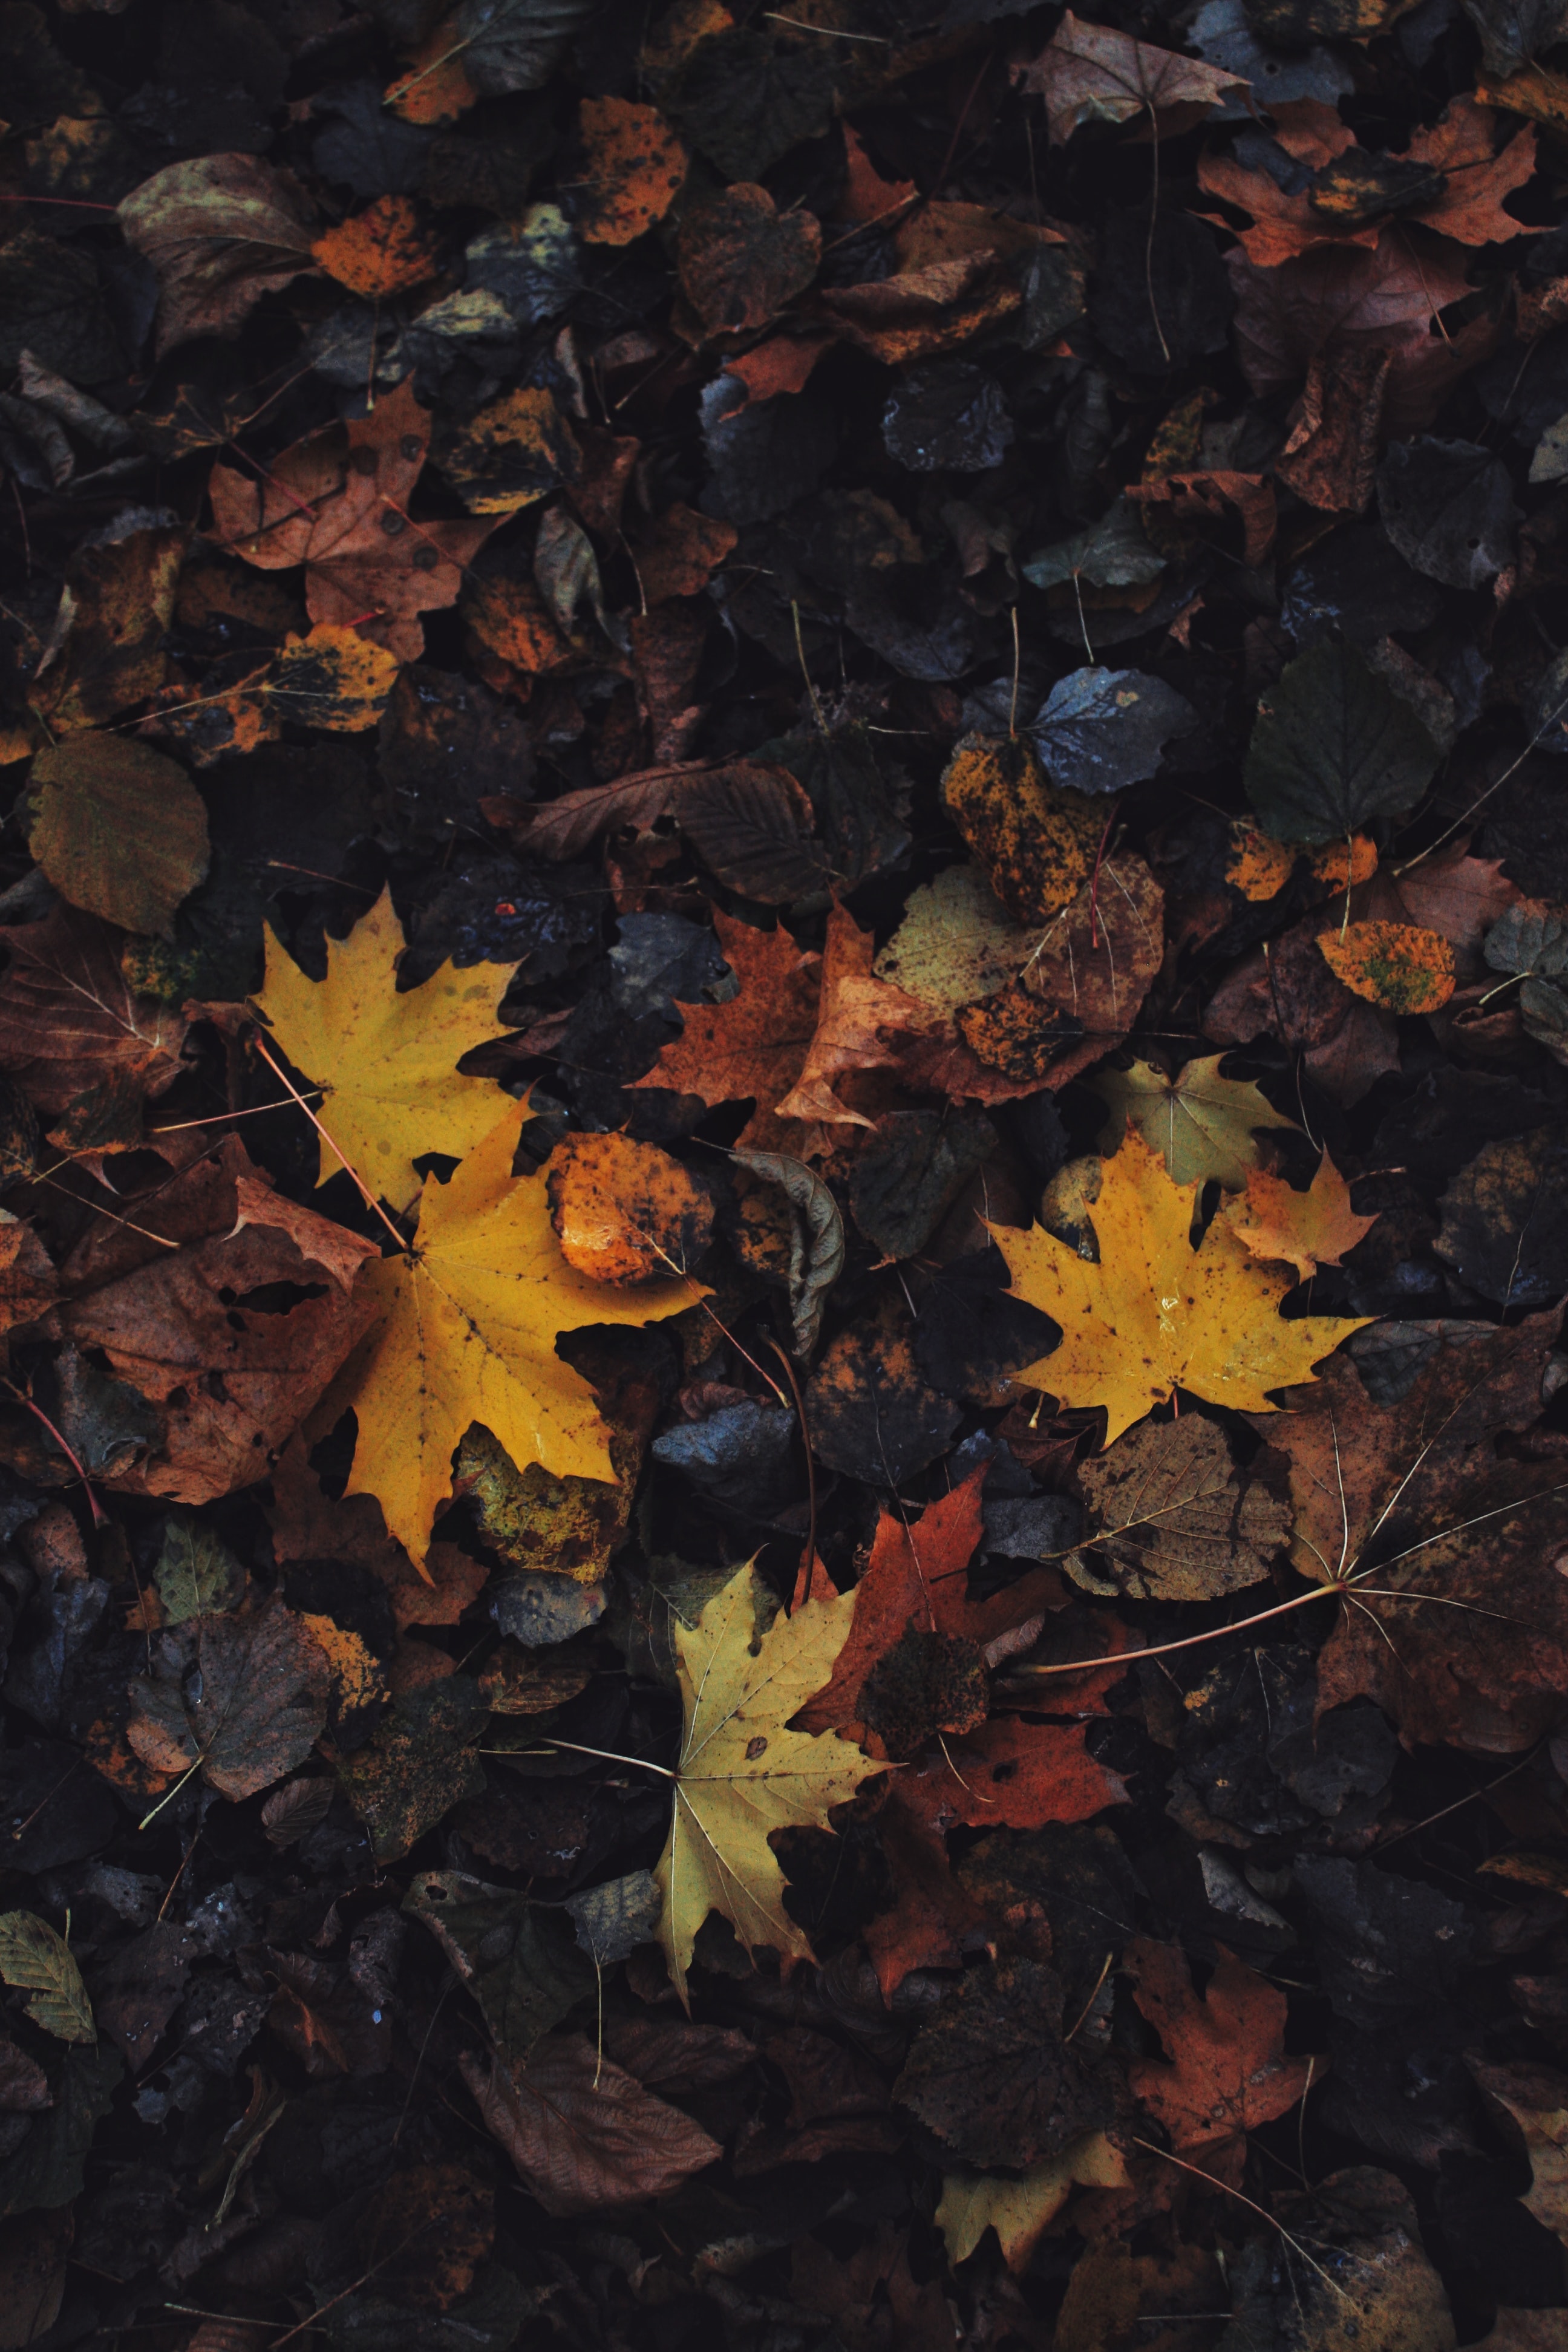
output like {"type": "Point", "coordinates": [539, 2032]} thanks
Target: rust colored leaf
{"type": "Point", "coordinates": [338, 503]}
{"type": "Point", "coordinates": [636, 164]}
{"type": "Point", "coordinates": [917, 1580]}
{"type": "Point", "coordinates": [381, 252]}
{"type": "Point", "coordinates": [1307, 1229]}
{"type": "Point", "coordinates": [232, 1381]}
{"type": "Point", "coordinates": [754, 1048]}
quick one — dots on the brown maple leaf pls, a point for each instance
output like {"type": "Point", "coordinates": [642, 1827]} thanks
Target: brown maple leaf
{"type": "Point", "coordinates": [1343, 297]}
{"type": "Point", "coordinates": [231, 1379]}
{"type": "Point", "coordinates": [338, 503]}
{"type": "Point", "coordinates": [754, 1048]}
{"type": "Point", "coordinates": [1229, 2071]}
{"type": "Point", "coordinates": [1450, 178]}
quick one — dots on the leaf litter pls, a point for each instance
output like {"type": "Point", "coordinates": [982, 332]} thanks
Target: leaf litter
{"type": "Point", "coordinates": [783, 1140]}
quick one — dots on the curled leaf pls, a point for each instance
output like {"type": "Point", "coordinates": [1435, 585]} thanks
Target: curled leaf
{"type": "Point", "coordinates": [816, 1250]}
{"type": "Point", "coordinates": [35, 1960]}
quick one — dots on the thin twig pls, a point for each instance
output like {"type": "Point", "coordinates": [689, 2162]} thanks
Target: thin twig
{"type": "Point", "coordinates": [99, 1515]}
{"type": "Point", "coordinates": [808, 1563]}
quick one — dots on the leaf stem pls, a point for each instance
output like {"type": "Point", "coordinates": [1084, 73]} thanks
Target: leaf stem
{"type": "Point", "coordinates": [366, 1195]}
{"type": "Point", "coordinates": [611, 1757]}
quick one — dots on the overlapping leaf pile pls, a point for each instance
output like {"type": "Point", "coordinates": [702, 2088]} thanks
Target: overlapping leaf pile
{"type": "Point", "coordinates": [782, 1154]}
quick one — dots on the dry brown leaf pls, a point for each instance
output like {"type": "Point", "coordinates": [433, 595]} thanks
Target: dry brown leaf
{"type": "Point", "coordinates": [581, 2132]}
{"type": "Point", "coordinates": [1173, 1518]}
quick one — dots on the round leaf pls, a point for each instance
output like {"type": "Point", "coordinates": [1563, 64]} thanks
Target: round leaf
{"type": "Point", "coordinates": [117, 829]}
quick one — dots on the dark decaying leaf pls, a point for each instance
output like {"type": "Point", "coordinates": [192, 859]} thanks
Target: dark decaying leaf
{"type": "Point", "coordinates": [991, 2075]}
{"type": "Point", "coordinates": [1102, 729]}
{"type": "Point", "coordinates": [262, 1702]}
{"type": "Point", "coordinates": [584, 2133]}
{"type": "Point", "coordinates": [1333, 749]}
{"type": "Point", "coordinates": [753, 828]}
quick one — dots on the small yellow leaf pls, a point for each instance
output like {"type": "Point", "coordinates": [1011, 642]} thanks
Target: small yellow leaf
{"type": "Point", "coordinates": [1202, 1124]}
{"type": "Point", "coordinates": [741, 1775]}
{"type": "Point", "coordinates": [1396, 965]}
{"type": "Point", "coordinates": [466, 1333]}
{"type": "Point", "coordinates": [388, 1063]}
{"type": "Point", "coordinates": [1305, 1230]}
{"type": "Point", "coordinates": [334, 679]}
{"type": "Point", "coordinates": [1155, 1315]}
{"type": "Point", "coordinates": [1020, 2209]}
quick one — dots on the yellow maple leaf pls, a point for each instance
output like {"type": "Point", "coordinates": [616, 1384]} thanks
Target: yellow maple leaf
{"type": "Point", "coordinates": [1305, 1230]}
{"type": "Point", "coordinates": [1156, 1314]}
{"type": "Point", "coordinates": [1200, 1123]}
{"type": "Point", "coordinates": [466, 1333]}
{"type": "Point", "coordinates": [741, 1775]}
{"type": "Point", "coordinates": [388, 1063]}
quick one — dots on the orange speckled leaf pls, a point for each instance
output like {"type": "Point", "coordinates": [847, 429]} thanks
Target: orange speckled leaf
{"type": "Point", "coordinates": [1036, 842]}
{"type": "Point", "coordinates": [626, 1212]}
{"type": "Point", "coordinates": [382, 251]}
{"type": "Point", "coordinates": [1394, 965]}
{"type": "Point", "coordinates": [636, 164]}
{"type": "Point", "coordinates": [1257, 867]}
{"type": "Point", "coordinates": [436, 90]}
{"type": "Point", "coordinates": [1335, 866]}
